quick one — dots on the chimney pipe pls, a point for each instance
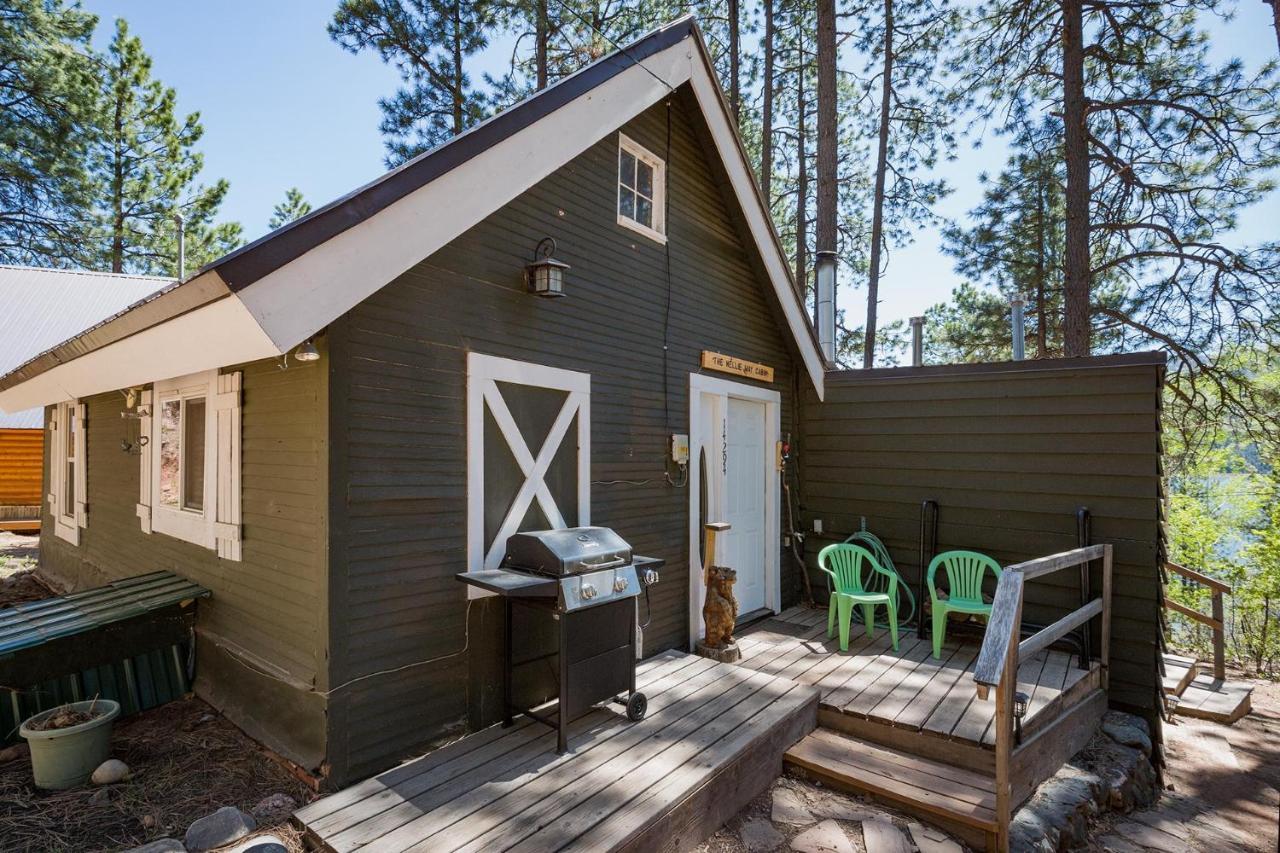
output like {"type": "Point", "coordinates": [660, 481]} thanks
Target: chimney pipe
{"type": "Point", "coordinates": [182, 245]}
{"type": "Point", "coordinates": [917, 341]}
{"type": "Point", "coordinates": [825, 277]}
{"type": "Point", "coordinates": [1017, 303]}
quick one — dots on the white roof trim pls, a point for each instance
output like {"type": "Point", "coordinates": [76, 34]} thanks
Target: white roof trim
{"type": "Point", "coordinates": [295, 301]}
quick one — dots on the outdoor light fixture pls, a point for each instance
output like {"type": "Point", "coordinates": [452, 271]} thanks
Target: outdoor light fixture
{"type": "Point", "coordinates": [306, 351]}
{"type": "Point", "coordinates": [545, 275]}
{"type": "Point", "coordinates": [1020, 701]}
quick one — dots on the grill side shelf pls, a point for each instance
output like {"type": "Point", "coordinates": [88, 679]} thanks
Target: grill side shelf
{"type": "Point", "coordinates": [511, 583]}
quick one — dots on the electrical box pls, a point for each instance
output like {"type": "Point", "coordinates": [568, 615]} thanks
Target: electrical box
{"type": "Point", "coordinates": [680, 449]}
{"type": "Point", "coordinates": [817, 526]}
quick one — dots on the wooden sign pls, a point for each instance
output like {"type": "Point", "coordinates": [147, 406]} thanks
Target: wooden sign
{"type": "Point", "coordinates": [736, 366]}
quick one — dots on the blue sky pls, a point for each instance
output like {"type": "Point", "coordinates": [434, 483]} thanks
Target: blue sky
{"type": "Point", "coordinates": [284, 106]}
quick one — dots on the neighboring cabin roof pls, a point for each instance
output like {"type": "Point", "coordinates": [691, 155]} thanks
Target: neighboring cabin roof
{"type": "Point", "coordinates": [44, 307]}
{"type": "Point", "coordinates": [267, 297]}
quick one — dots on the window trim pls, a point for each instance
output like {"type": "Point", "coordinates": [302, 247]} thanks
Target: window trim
{"type": "Point", "coordinates": [657, 233]}
{"type": "Point", "coordinates": [180, 523]}
{"type": "Point", "coordinates": [67, 527]}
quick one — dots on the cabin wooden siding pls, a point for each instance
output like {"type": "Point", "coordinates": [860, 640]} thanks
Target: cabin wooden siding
{"type": "Point", "coordinates": [399, 424]}
{"type": "Point", "coordinates": [261, 634]}
{"type": "Point", "coordinates": [21, 452]}
{"type": "Point", "coordinates": [1009, 452]}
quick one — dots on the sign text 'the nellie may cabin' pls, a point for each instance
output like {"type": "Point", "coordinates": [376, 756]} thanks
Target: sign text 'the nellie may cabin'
{"type": "Point", "coordinates": [736, 366]}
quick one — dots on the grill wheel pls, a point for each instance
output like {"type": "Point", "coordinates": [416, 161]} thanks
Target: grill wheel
{"type": "Point", "coordinates": [637, 705]}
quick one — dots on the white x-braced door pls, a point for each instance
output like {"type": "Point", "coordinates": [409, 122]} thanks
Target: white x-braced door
{"type": "Point", "coordinates": [528, 452]}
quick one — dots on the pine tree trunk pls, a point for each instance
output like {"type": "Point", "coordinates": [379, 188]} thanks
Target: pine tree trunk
{"type": "Point", "coordinates": [117, 186]}
{"type": "Point", "coordinates": [802, 190]}
{"type": "Point", "coordinates": [877, 200]}
{"type": "Point", "coordinates": [828, 187]}
{"type": "Point", "coordinates": [541, 47]}
{"type": "Point", "coordinates": [1275, 16]}
{"type": "Point", "coordinates": [766, 110]}
{"type": "Point", "coordinates": [735, 84]}
{"type": "Point", "coordinates": [1042, 263]}
{"type": "Point", "coordinates": [457, 69]}
{"type": "Point", "coordinates": [1076, 273]}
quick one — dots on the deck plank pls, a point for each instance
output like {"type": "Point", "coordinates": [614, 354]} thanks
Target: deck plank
{"type": "Point", "coordinates": [910, 691]}
{"type": "Point", "coordinates": [903, 666]}
{"type": "Point", "coordinates": [945, 680]}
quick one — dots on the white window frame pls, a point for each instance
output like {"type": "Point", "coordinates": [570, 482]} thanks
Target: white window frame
{"type": "Point", "coordinates": [483, 374]}
{"type": "Point", "coordinates": [658, 232]}
{"type": "Point", "coordinates": [67, 526]}
{"type": "Point", "coordinates": [186, 524]}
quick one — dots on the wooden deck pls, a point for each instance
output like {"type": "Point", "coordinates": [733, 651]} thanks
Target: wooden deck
{"type": "Point", "coordinates": [1201, 695]}
{"type": "Point", "coordinates": [714, 737]}
{"type": "Point", "coordinates": [893, 698]}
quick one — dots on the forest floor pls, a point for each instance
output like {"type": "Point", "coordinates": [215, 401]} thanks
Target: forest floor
{"type": "Point", "coordinates": [1225, 778]}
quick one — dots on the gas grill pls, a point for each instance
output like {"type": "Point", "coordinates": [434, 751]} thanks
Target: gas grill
{"type": "Point", "coordinates": [586, 580]}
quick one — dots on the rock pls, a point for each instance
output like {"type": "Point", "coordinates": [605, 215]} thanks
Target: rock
{"type": "Point", "coordinates": [100, 796]}
{"type": "Point", "coordinates": [834, 806]}
{"type": "Point", "coordinates": [826, 837]}
{"type": "Point", "coordinates": [148, 821]}
{"type": "Point", "coordinates": [789, 807]}
{"type": "Point", "coordinates": [881, 836]}
{"type": "Point", "coordinates": [262, 844]}
{"type": "Point", "coordinates": [932, 840]}
{"type": "Point", "coordinates": [162, 845]}
{"type": "Point", "coordinates": [13, 753]}
{"type": "Point", "coordinates": [224, 826]}
{"type": "Point", "coordinates": [1128, 730]}
{"type": "Point", "coordinates": [110, 772]}
{"type": "Point", "coordinates": [758, 834]}
{"type": "Point", "coordinates": [274, 809]}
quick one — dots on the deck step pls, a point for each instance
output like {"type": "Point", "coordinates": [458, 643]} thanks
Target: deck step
{"type": "Point", "coordinates": [1179, 672]}
{"type": "Point", "coordinates": [955, 798]}
{"type": "Point", "coordinates": [1206, 698]}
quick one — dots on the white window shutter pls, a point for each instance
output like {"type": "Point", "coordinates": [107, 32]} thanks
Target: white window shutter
{"type": "Point", "coordinates": [82, 514]}
{"type": "Point", "coordinates": [144, 462]}
{"type": "Point", "coordinates": [54, 435]}
{"type": "Point", "coordinates": [227, 522]}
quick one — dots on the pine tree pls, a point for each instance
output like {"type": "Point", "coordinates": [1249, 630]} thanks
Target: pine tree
{"type": "Point", "coordinates": [429, 43]}
{"type": "Point", "coordinates": [145, 169]}
{"type": "Point", "coordinates": [1164, 149]}
{"type": "Point", "coordinates": [293, 207]}
{"type": "Point", "coordinates": [47, 99]}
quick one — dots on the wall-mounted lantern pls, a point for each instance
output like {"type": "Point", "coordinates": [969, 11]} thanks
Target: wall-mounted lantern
{"type": "Point", "coordinates": [306, 351]}
{"type": "Point", "coordinates": [545, 275]}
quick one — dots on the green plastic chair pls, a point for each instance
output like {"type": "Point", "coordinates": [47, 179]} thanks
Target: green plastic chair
{"type": "Point", "coordinates": [847, 566]}
{"type": "Point", "coordinates": [965, 573]}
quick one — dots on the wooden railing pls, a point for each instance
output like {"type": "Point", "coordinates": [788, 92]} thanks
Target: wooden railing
{"type": "Point", "coordinates": [1216, 622]}
{"type": "Point", "coordinates": [1003, 648]}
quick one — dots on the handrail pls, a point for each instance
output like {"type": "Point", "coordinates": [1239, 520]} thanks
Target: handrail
{"type": "Point", "coordinates": [1216, 622]}
{"type": "Point", "coordinates": [1192, 574]}
{"type": "Point", "coordinates": [1002, 648]}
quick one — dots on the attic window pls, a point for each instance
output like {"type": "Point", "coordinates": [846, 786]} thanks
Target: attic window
{"type": "Point", "coordinates": [641, 190]}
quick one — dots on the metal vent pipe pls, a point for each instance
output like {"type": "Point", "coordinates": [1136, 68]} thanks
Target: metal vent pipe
{"type": "Point", "coordinates": [1017, 303]}
{"type": "Point", "coordinates": [917, 341]}
{"type": "Point", "coordinates": [825, 280]}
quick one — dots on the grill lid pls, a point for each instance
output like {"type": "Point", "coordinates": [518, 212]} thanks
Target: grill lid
{"type": "Point", "coordinates": [569, 551]}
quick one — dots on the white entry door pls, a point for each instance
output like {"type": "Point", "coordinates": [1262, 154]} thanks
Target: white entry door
{"type": "Point", "coordinates": [744, 499]}
{"type": "Point", "coordinates": [733, 478]}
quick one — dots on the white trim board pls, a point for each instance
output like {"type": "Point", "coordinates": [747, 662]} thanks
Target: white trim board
{"type": "Point", "coordinates": [701, 385]}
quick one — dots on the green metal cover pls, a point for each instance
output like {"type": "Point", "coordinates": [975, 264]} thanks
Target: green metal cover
{"type": "Point", "coordinates": [26, 626]}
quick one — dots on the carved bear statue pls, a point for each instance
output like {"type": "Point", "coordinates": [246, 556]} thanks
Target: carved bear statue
{"type": "Point", "coordinates": [720, 611]}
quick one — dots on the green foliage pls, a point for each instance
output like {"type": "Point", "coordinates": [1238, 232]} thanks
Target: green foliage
{"type": "Point", "coordinates": [429, 43]}
{"type": "Point", "coordinates": [145, 168]}
{"type": "Point", "coordinates": [293, 207]}
{"type": "Point", "coordinates": [47, 100]}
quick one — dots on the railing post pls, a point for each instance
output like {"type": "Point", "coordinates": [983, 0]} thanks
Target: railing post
{"type": "Point", "coordinates": [1105, 633]}
{"type": "Point", "coordinates": [1219, 640]}
{"type": "Point", "coordinates": [1004, 723]}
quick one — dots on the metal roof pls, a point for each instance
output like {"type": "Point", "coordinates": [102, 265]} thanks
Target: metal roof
{"type": "Point", "coordinates": [24, 626]}
{"type": "Point", "coordinates": [41, 308]}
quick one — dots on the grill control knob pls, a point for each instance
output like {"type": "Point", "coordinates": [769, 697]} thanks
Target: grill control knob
{"type": "Point", "coordinates": [619, 584]}
{"type": "Point", "coordinates": [588, 591]}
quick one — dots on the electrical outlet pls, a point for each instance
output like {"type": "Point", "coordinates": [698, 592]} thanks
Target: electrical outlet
{"type": "Point", "coordinates": [786, 541]}
{"type": "Point", "coordinates": [680, 449]}
{"type": "Point", "coordinates": [817, 525]}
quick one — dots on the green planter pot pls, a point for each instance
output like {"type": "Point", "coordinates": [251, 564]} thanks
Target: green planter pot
{"type": "Point", "coordinates": [65, 758]}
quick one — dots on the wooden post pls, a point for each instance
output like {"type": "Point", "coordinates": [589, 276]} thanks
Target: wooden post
{"type": "Point", "coordinates": [1004, 724]}
{"type": "Point", "coordinates": [712, 529]}
{"type": "Point", "coordinates": [1105, 644]}
{"type": "Point", "coordinates": [1219, 640]}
